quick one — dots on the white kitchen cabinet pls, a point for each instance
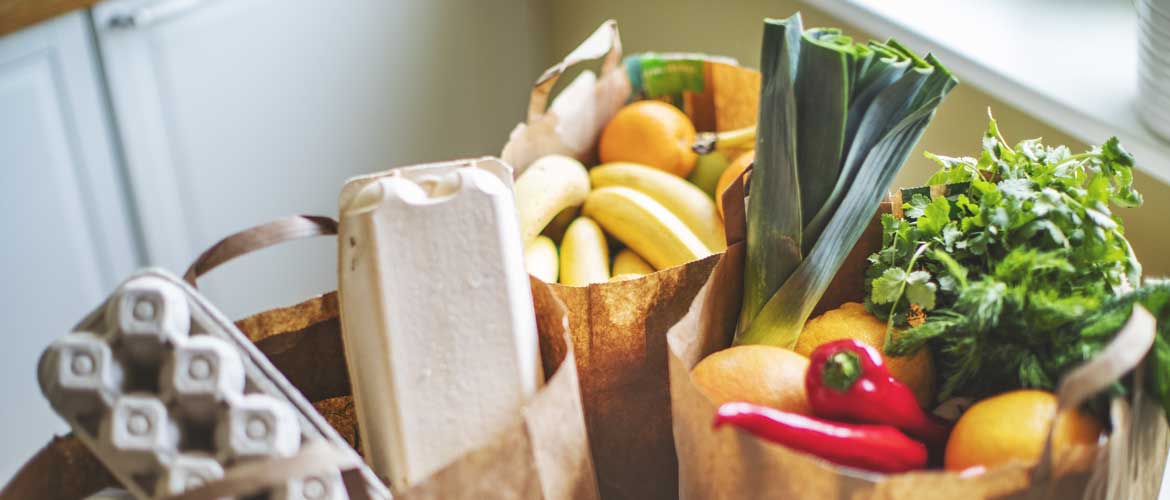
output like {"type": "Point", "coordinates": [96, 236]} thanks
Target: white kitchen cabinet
{"type": "Point", "coordinates": [67, 236]}
{"type": "Point", "coordinates": [234, 112]}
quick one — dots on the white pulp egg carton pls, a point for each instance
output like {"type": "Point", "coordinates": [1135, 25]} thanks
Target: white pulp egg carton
{"type": "Point", "coordinates": [169, 395]}
{"type": "Point", "coordinates": [436, 313]}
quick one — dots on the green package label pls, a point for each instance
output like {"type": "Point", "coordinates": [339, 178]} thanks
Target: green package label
{"type": "Point", "coordinates": [669, 76]}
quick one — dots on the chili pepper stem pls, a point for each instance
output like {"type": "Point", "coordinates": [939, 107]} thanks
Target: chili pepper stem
{"type": "Point", "coordinates": [848, 380]}
{"type": "Point", "coordinates": [842, 370]}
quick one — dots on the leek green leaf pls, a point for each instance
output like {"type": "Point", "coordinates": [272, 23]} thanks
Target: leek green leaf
{"type": "Point", "coordinates": [822, 84]}
{"type": "Point", "coordinates": [773, 217]}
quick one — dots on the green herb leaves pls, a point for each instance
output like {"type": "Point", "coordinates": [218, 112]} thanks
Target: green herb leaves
{"type": "Point", "coordinates": [1022, 246]}
{"type": "Point", "coordinates": [837, 120]}
{"type": "Point", "coordinates": [916, 286]}
{"type": "Point", "coordinates": [1098, 327]}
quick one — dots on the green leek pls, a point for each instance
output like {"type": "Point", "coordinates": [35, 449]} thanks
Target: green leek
{"type": "Point", "coordinates": [822, 89]}
{"type": "Point", "coordinates": [778, 231]}
{"type": "Point", "coordinates": [837, 120]}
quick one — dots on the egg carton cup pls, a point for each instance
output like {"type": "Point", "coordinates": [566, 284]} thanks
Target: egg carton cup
{"type": "Point", "coordinates": [172, 397]}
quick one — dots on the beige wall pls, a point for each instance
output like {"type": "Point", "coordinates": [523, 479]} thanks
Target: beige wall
{"type": "Point", "coordinates": [734, 27]}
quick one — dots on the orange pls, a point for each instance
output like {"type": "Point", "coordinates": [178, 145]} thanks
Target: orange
{"type": "Point", "coordinates": [1013, 426]}
{"type": "Point", "coordinates": [760, 374]}
{"type": "Point", "coordinates": [738, 165]}
{"type": "Point", "coordinates": [651, 133]}
{"type": "Point", "coordinates": [852, 321]}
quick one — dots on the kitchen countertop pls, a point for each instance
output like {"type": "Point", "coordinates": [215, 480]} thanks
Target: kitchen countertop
{"type": "Point", "coordinates": [17, 14]}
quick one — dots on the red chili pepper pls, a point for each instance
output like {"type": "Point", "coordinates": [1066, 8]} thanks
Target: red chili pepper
{"type": "Point", "coordinates": [877, 448]}
{"type": "Point", "coordinates": [848, 380]}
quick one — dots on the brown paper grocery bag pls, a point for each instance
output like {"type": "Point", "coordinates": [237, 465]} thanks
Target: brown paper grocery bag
{"type": "Point", "coordinates": [619, 329]}
{"type": "Point", "coordinates": [572, 123]}
{"type": "Point", "coordinates": [543, 455]}
{"type": "Point", "coordinates": [732, 464]}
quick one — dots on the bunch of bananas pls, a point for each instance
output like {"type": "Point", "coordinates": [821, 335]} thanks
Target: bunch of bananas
{"type": "Point", "coordinates": [647, 218]}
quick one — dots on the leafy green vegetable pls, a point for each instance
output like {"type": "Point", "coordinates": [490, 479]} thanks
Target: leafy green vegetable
{"type": "Point", "coordinates": [1094, 331]}
{"type": "Point", "coordinates": [774, 218]}
{"type": "Point", "coordinates": [1008, 263]}
{"type": "Point", "coordinates": [837, 120]}
{"type": "Point", "coordinates": [822, 87]}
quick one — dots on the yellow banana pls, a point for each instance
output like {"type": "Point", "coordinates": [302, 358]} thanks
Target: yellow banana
{"type": "Point", "coordinates": [540, 259]}
{"type": "Point", "coordinates": [644, 225]}
{"type": "Point", "coordinates": [734, 140]}
{"type": "Point", "coordinates": [584, 254]}
{"type": "Point", "coordinates": [551, 184]}
{"type": "Point", "coordinates": [628, 262]}
{"type": "Point", "coordinates": [685, 200]}
{"type": "Point", "coordinates": [728, 142]}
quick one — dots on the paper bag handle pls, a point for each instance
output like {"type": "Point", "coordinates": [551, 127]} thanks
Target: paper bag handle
{"type": "Point", "coordinates": [1122, 355]}
{"type": "Point", "coordinates": [605, 41]}
{"type": "Point", "coordinates": [251, 477]}
{"type": "Point", "coordinates": [293, 227]}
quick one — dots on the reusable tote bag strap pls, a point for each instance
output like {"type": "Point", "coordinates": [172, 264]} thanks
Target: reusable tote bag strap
{"type": "Point", "coordinates": [1122, 355]}
{"type": "Point", "coordinates": [289, 228]}
{"type": "Point", "coordinates": [314, 458]}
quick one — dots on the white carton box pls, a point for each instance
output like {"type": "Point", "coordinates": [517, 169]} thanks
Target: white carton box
{"type": "Point", "coordinates": [436, 312]}
{"type": "Point", "coordinates": [170, 395]}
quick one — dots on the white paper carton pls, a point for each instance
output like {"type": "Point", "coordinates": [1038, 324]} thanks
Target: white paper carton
{"type": "Point", "coordinates": [187, 471]}
{"type": "Point", "coordinates": [170, 395]}
{"type": "Point", "coordinates": [436, 313]}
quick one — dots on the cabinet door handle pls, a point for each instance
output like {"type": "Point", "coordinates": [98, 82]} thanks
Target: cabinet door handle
{"type": "Point", "coordinates": [151, 14]}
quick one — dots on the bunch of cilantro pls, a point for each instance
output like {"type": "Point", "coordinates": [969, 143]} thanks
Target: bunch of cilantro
{"type": "Point", "coordinates": [1000, 275]}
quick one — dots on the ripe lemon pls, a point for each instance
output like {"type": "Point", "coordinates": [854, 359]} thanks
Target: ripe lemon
{"type": "Point", "coordinates": [852, 321]}
{"type": "Point", "coordinates": [764, 375]}
{"type": "Point", "coordinates": [1013, 425]}
{"type": "Point", "coordinates": [738, 165]}
{"type": "Point", "coordinates": [651, 133]}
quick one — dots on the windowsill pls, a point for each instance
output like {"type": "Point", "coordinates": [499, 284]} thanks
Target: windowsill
{"type": "Point", "coordinates": [1071, 63]}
